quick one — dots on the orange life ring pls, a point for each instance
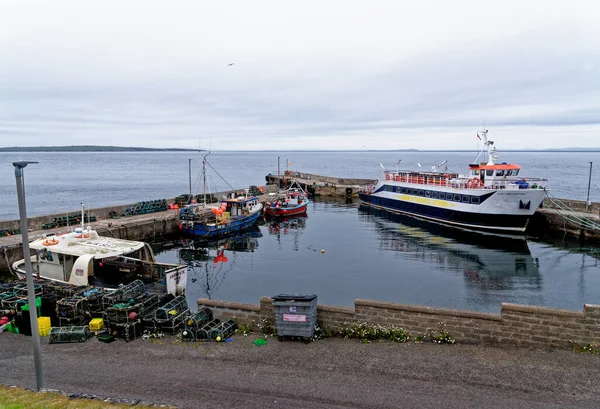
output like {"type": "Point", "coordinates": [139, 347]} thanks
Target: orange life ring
{"type": "Point", "coordinates": [474, 183]}
{"type": "Point", "coordinates": [50, 242]}
{"type": "Point", "coordinates": [87, 236]}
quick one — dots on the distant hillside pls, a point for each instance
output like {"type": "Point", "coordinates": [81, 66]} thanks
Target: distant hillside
{"type": "Point", "coordinates": [88, 148]}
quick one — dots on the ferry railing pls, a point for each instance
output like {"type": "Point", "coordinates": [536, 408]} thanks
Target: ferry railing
{"type": "Point", "coordinates": [463, 182]}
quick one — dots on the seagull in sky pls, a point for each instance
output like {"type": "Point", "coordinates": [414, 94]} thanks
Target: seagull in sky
{"type": "Point", "coordinates": [230, 64]}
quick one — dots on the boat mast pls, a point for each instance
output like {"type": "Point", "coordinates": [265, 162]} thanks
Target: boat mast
{"type": "Point", "coordinates": [204, 176]}
{"type": "Point", "coordinates": [82, 220]}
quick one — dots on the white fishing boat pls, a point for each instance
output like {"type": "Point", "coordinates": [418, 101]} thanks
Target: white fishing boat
{"type": "Point", "coordinates": [83, 257]}
{"type": "Point", "coordinates": [492, 196]}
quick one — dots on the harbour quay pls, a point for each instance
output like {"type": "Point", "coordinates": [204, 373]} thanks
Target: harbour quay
{"type": "Point", "coordinates": [107, 221]}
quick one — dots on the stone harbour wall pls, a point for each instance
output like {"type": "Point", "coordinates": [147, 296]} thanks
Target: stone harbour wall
{"type": "Point", "coordinates": [518, 325]}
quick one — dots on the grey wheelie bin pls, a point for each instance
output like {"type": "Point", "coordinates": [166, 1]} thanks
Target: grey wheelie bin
{"type": "Point", "coordinates": [295, 316]}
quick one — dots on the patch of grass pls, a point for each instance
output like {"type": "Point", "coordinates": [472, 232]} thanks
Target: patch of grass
{"type": "Point", "coordinates": [16, 398]}
{"type": "Point", "coordinates": [593, 349]}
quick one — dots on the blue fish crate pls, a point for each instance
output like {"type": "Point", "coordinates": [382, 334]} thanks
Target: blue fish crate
{"type": "Point", "coordinates": [295, 315]}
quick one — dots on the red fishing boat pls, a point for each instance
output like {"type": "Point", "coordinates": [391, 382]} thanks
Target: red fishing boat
{"type": "Point", "coordinates": [289, 202]}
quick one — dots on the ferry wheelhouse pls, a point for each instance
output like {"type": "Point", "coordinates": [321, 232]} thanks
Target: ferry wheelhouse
{"type": "Point", "coordinates": [491, 197]}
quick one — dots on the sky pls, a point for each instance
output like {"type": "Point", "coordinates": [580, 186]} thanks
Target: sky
{"type": "Point", "coordinates": [306, 74]}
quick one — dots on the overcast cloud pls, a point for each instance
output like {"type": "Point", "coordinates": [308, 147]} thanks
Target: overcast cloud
{"type": "Point", "coordinates": [307, 74]}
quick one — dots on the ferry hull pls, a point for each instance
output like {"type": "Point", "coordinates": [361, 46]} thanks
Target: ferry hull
{"type": "Point", "coordinates": [489, 222]}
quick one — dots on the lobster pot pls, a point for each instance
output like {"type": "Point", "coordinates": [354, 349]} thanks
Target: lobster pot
{"type": "Point", "coordinates": [62, 290]}
{"type": "Point", "coordinates": [188, 335]}
{"type": "Point", "coordinates": [73, 307]}
{"type": "Point", "coordinates": [195, 321]}
{"type": "Point", "coordinates": [60, 335]}
{"type": "Point", "coordinates": [150, 303]}
{"type": "Point", "coordinates": [176, 323]}
{"type": "Point", "coordinates": [127, 331]}
{"type": "Point", "coordinates": [70, 322]}
{"type": "Point", "coordinates": [125, 293]}
{"type": "Point", "coordinates": [21, 290]}
{"type": "Point", "coordinates": [94, 299]}
{"type": "Point", "coordinates": [148, 321]}
{"type": "Point", "coordinates": [8, 301]}
{"type": "Point", "coordinates": [171, 309]}
{"type": "Point", "coordinates": [204, 332]}
{"type": "Point", "coordinates": [223, 330]}
{"type": "Point", "coordinates": [123, 313]}
{"type": "Point", "coordinates": [7, 287]}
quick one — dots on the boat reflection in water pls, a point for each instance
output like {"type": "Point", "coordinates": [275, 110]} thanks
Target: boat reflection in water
{"type": "Point", "coordinates": [494, 267]}
{"type": "Point", "coordinates": [291, 226]}
{"type": "Point", "coordinates": [209, 261]}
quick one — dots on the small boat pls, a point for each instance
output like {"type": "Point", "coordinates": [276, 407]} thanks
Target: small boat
{"type": "Point", "coordinates": [492, 197]}
{"type": "Point", "coordinates": [289, 202]}
{"type": "Point", "coordinates": [211, 221]}
{"type": "Point", "coordinates": [83, 258]}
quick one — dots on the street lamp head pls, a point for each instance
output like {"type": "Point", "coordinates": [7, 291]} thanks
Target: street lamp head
{"type": "Point", "coordinates": [20, 165]}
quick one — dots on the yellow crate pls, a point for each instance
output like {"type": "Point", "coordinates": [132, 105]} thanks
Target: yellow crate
{"type": "Point", "coordinates": [44, 323]}
{"type": "Point", "coordinates": [96, 324]}
{"type": "Point", "coordinates": [44, 332]}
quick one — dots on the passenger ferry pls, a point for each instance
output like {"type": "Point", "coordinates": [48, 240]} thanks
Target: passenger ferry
{"type": "Point", "coordinates": [491, 197]}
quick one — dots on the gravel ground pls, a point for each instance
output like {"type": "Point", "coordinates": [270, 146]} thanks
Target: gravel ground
{"type": "Point", "coordinates": [330, 373]}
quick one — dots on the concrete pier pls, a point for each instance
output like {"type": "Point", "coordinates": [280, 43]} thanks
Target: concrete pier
{"type": "Point", "coordinates": [319, 185]}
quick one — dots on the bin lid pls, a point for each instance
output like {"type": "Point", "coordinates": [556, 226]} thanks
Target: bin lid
{"type": "Point", "coordinates": [294, 297]}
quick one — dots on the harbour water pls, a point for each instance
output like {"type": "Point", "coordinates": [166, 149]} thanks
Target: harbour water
{"type": "Point", "coordinates": [367, 254]}
{"type": "Point", "coordinates": [376, 255]}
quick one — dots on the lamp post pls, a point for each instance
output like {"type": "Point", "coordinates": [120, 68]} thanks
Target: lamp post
{"type": "Point", "coordinates": [190, 176]}
{"type": "Point", "coordinates": [35, 334]}
{"type": "Point", "coordinates": [587, 202]}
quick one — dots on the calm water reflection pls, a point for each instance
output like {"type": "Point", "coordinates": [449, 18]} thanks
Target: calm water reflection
{"type": "Point", "coordinates": [377, 255]}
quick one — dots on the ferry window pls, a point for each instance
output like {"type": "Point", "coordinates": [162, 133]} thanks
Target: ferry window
{"type": "Point", "coordinates": [442, 195]}
{"type": "Point", "coordinates": [420, 193]}
{"type": "Point", "coordinates": [403, 189]}
{"type": "Point", "coordinates": [475, 199]}
{"type": "Point", "coordinates": [515, 172]}
{"type": "Point", "coordinates": [435, 195]}
{"type": "Point", "coordinates": [427, 193]}
{"type": "Point", "coordinates": [489, 173]}
{"type": "Point", "coordinates": [499, 173]}
{"type": "Point", "coordinates": [413, 192]}
{"type": "Point", "coordinates": [466, 199]}
{"type": "Point", "coordinates": [509, 172]}
{"type": "Point", "coordinates": [457, 198]}
{"type": "Point", "coordinates": [475, 172]}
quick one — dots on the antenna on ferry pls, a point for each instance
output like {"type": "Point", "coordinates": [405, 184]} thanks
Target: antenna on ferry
{"type": "Point", "coordinates": [398, 163]}
{"type": "Point", "coordinates": [435, 168]}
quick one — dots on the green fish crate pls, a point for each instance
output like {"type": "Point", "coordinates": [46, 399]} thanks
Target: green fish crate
{"type": "Point", "coordinates": [106, 337]}
{"type": "Point", "coordinates": [62, 335]}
